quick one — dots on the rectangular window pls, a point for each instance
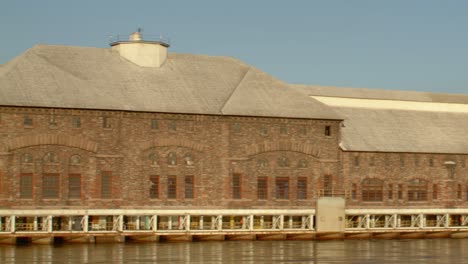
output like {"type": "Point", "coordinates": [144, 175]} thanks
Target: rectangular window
{"type": "Point", "coordinates": [189, 187]}
{"type": "Point", "coordinates": [50, 186]}
{"type": "Point", "coordinates": [27, 121]}
{"type": "Point", "coordinates": [26, 186]}
{"type": "Point", "coordinates": [76, 122]}
{"type": "Point", "coordinates": [431, 162]}
{"type": "Point", "coordinates": [262, 188]}
{"type": "Point", "coordinates": [402, 160]}
{"type": "Point", "coordinates": [106, 122]}
{"type": "Point", "coordinates": [387, 160]}
{"type": "Point", "coordinates": [372, 161]}
{"type": "Point", "coordinates": [154, 188]}
{"type": "Point", "coordinates": [459, 192]}
{"type": "Point", "coordinates": [390, 191]}
{"type": "Point", "coordinates": [171, 187]}
{"type": "Point", "coordinates": [106, 185]}
{"type": "Point", "coordinates": [236, 186]}
{"type": "Point", "coordinates": [52, 121]}
{"type": "Point", "coordinates": [172, 125]}
{"type": "Point", "coordinates": [154, 124]}
{"type": "Point", "coordinates": [356, 161]}
{"type": "Point", "coordinates": [327, 131]}
{"type": "Point", "coordinates": [400, 192]}
{"type": "Point", "coordinates": [74, 186]}
{"type": "Point", "coordinates": [435, 192]}
{"type": "Point", "coordinates": [354, 191]}
{"type": "Point", "coordinates": [302, 188]}
{"type": "Point", "coordinates": [282, 188]}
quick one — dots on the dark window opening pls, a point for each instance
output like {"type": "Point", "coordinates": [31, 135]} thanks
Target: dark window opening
{"type": "Point", "coordinates": [50, 186]}
{"type": "Point", "coordinates": [106, 122]}
{"type": "Point", "coordinates": [189, 187]}
{"type": "Point", "coordinates": [106, 185]}
{"type": "Point", "coordinates": [302, 188]}
{"type": "Point", "coordinates": [417, 190]}
{"type": "Point", "coordinates": [327, 131]}
{"type": "Point", "coordinates": [354, 191]}
{"type": "Point", "coordinates": [154, 124]}
{"type": "Point", "coordinates": [27, 121]}
{"type": "Point", "coordinates": [262, 188]}
{"type": "Point", "coordinates": [400, 192]}
{"type": "Point", "coordinates": [356, 161]}
{"type": "Point", "coordinates": [282, 188]}
{"type": "Point", "coordinates": [74, 186]}
{"type": "Point", "coordinates": [372, 190]}
{"type": "Point", "coordinates": [26, 186]}
{"type": "Point", "coordinates": [236, 186]}
{"type": "Point", "coordinates": [154, 186]}
{"type": "Point", "coordinates": [390, 191]}
{"type": "Point", "coordinates": [76, 122]}
{"type": "Point", "coordinates": [171, 187]}
{"type": "Point", "coordinates": [435, 192]}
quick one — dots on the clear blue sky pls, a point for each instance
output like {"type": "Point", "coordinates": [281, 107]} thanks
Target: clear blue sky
{"type": "Point", "coordinates": [389, 44]}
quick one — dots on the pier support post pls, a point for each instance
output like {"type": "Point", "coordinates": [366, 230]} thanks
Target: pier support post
{"type": "Point", "coordinates": [155, 223]}
{"type": "Point", "coordinates": [85, 224]}
{"type": "Point", "coordinates": [13, 224]}
{"type": "Point", "coordinates": [187, 222]}
{"type": "Point", "coordinates": [200, 222]}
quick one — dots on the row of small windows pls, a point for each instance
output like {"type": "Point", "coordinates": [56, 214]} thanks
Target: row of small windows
{"type": "Point", "coordinates": [154, 124]}
{"type": "Point", "coordinates": [283, 130]}
{"type": "Point", "coordinates": [50, 157]}
{"type": "Point", "coordinates": [51, 186]}
{"type": "Point", "coordinates": [281, 188]}
{"type": "Point", "coordinates": [372, 190]}
{"type": "Point", "coordinates": [172, 190]}
{"type": "Point", "coordinates": [171, 159]}
{"type": "Point", "coordinates": [402, 160]}
{"type": "Point", "coordinates": [283, 162]}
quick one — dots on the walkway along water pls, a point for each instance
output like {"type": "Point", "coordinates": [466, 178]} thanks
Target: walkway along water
{"type": "Point", "coordinates": [119, 225]}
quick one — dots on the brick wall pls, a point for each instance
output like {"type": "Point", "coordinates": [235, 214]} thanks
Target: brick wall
{"type": "Point", "coordinates": [130, 147]}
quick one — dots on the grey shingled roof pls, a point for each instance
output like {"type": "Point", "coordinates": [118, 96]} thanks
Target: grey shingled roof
{"type": "Point", "coordinates": [98, 78]}
{"type": "Point", "coordinates": [393, 130]}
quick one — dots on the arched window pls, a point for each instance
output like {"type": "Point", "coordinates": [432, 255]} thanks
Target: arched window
{"type": "Point", "coordinates": [50, 157]}
{"type": "Point", "coordinates": [372, 190]}
{"type": "Point", "coordinates": [27, 158]}
{"type": "Point", "coordinates": [172, 158]}
{"type": "Point", "coordinates": [154, 159]}
{"type": "Point", "coordinates": [417, 190]}
{"type": "Point", "coordinates": [188, 158]}
{"type": "Point", "coordinates": [75, 160]}
{"type": "Point", "coordinates": [262, 163]}
{"type": "Point", "coordinates": [302, 163]}
{"type": "Point", "coordinates": [283, 162]}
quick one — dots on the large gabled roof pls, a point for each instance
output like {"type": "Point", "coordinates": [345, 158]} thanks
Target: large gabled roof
{"type": "Point", "coordinates": [98, 78]}
{"type": "Point", "coordinates": [397, 121]}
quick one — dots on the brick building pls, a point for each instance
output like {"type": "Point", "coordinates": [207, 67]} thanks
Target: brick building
{"type": "Point", "coordinates": [136, 127]}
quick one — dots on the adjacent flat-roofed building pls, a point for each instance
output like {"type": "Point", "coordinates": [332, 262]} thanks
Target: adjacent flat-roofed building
{"type": "Point", "coordinates": [134, 126]}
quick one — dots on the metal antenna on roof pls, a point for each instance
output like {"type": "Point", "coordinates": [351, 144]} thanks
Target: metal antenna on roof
{"type": "Point", "coordinates": [140, 30]}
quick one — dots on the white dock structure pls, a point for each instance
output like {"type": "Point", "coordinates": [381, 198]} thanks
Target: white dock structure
{"type": "Point", "coordinates": [119, 225]}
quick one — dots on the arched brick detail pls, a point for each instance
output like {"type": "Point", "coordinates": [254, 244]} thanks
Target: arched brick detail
{"type": "Point", "coordinates": [305, 148]}
{"type": "Point", "coordinates": [51, 139]}
{"type": "Point", "coordinates": [175, 142]}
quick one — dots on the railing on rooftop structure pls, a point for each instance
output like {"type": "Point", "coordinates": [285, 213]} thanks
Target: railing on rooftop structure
{"type": "Point", "coordinates": [144, 37]}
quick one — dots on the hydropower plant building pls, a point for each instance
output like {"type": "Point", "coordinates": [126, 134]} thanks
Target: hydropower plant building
{"type": "Point", "coordinates": [135, 142]}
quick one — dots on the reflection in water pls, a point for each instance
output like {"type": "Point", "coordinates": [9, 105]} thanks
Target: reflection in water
{"type": "Point", "coordinates": [361, 251]}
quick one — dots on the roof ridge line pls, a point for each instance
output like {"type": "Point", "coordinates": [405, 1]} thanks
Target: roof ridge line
{"type": "Point", "coordinates": [234, 90]}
